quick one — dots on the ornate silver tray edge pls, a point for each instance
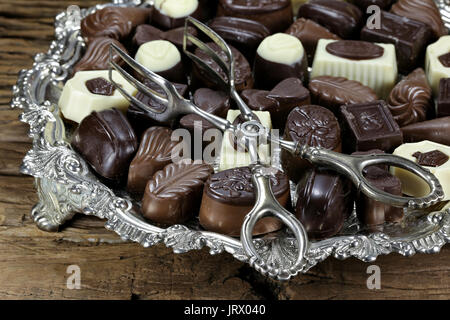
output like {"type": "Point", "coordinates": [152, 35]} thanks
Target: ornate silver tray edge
{"type": "Point", "coordinates": [65, 184]}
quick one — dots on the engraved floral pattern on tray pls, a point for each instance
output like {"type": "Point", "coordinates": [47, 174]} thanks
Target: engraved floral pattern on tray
{"type": "Point", "coordinates": [65, 184]}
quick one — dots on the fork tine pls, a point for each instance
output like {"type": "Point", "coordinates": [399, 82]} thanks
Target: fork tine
{"type": "Point", "coordinates": [167, 87]}
{"type": "Point", "coordinates": [137, 84]}
{"type": "Point", "coordinates": [227, 67]}
{"type": "Point", "coordinates": [214, 75]}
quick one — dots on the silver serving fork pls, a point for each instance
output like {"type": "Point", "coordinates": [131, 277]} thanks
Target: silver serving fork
{"type": "Point", "coordinates": [250, 131]}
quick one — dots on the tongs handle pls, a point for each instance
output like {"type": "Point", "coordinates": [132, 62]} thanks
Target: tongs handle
{"type": "Point", "coordinates": [267, 205]}
{"type": "Point", "coordinates": [353, 166]}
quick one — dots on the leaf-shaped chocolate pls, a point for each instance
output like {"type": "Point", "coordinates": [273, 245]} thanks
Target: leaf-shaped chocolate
{"type": "Point", "coordinates": [410, 99]}
{"type": "Point", "coordinates": [173, 195]}
{"type": "Point", "coordinates": [333, 92]}
{"type": "Point", "coordinates": [155, 152]}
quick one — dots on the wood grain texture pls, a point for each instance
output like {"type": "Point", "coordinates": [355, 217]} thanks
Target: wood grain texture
{"type": "Point", "coordinates": [34, 262]}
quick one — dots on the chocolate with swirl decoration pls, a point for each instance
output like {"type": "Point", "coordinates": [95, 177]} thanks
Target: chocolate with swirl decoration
{"type": "Point", "coordinates": [96, 56]}
{"type": "Point", "coordinates": [113, 22]}
{"type": "Point", "coordinates": [425, 11]}
{"type": "Point", "coordinates": [410, 100]}
{"type": "Point", "coordinates": [229, 195]}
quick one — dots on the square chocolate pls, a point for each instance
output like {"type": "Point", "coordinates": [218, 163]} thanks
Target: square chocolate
{"type": "Point", "coordinates": [443, 102]}
{"type": "Point", "coordinates": [410, 38]}
{"type": "Point", "coordinates": [370, 126]}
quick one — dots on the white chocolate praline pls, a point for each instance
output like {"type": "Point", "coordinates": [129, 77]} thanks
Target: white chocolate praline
{"type": "Point", "coordinates": [380, 73]}
{"type": "Point", "coordinates": [230, 157]}
{"type": "Point", "coordinates": [281, 48]}
{"type": "Point", "coordinates": [76, 101]}
{"type": "Point", "coordinates": [414, 186]}
{"type": "Point", "coordinates": [158, 55]}
{"type": "Point", "coordinates": [176, 8]}
{"type": "Point", "coordinates": [433, 67]}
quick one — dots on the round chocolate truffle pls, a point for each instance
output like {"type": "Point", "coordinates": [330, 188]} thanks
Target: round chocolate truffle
{"type": "Point", "coordinates": [312, 125]}
{"type": "Point", "coordinates": [163, 58]}
{"type": "Point", "coordinates": [170, 14]}
{"type": "Point", "coordinates": [229, 195]}
{"type": "Point", "coordinates": [242, 77]}
{"type": "Point", "coordinates": [278, 57]}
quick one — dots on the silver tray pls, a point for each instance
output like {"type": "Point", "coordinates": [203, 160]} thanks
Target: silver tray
{"type": "Point", "coordinates": [65, 184]}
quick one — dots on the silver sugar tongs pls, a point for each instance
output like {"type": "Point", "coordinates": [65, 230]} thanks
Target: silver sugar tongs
{"type": "Point", "coordinates": [250, 131]}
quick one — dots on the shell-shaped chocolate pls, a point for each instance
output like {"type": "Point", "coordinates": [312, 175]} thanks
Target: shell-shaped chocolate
{"type": "Point", "coordinates": [178, 180]}
{"type": "Point", "coordinates": [234, 186]}
{"type": "Point", "coordinates": [315, 126]}
{"type": "Point", "coordinates": [96, 56]}
{"type": "Point", "coordinates": [410, 99]}
{"type": "Point", "coordinates": [337, 91]}
{"type": "Point", "coordinates": [425, 11]}
{"type": "Point", "coordinates": [154, 153]}
{"type": "Point", "coordinates": [113, 22]}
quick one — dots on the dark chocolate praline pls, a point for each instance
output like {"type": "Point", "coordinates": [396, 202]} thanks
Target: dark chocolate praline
{"type": "Point", "coordinates": [324, 202]}
{"type": "Point", "coordinates": [276, 15]}
{"type": "Point", "coordinates": [312, 125]}
{"type": "Point", "coordinates": [166, 22]}
{"type": "Point", "coordinates": [229, 195]}
{"type": "Point", "coordinates": [243, 73]}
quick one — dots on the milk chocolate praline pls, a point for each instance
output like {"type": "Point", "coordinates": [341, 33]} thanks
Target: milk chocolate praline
{"type": "Point", "coordinates": [276, 15]}
{"type": "Point", "coordinates": [324, 201]}
{"type": "Point", "coordinates": [312, 125]}
{"type": "Point", "coordinates": [229, 195]}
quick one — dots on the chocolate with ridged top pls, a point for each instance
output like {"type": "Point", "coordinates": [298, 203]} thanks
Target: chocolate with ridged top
{"type": "Point", "coordinates": [370, 126]}
{"type": "Point", "coordinates": [312, 125]}
{"type": "Point", "coordinates": [243, 73]}
{"type": "Point", "coordinates": [245, 35]}
{"type": "Point", "coordinates": [436, 130]}
{"type": "Point", "coordinates": [410, 38]}
{"type": "Point", "coordinates": [309, 32]}
{"type": "Point", "coordinates": [154, 153]}
{"type": "Point", "coordinates": [174, 193]}
{"type": "Point", "coordinates": [229, 195]}
{"type": "Point", "coordinates": [342, 18]}
{"type": "Point", "coordinates": [142, 119]}
{"type": "Point", "coordinates": [276, 15]}
{"type": "Point", "coordinates": [425, 11]}
{"type": "Point", "coordinates": [411, 99]}
{"type": "Point", "coordinates": [333, 92]}
{"type": "Point", "coordinates": [324, 202]}
{"type": "Point", "coordinates": [107, 142]}
{"type": "Point", "coordinates": [96, 56]}
{"type": "Point", "coordinates": [113, 22]}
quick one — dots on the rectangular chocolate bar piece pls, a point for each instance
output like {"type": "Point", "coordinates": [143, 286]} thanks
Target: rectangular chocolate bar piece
{"type": "Point", "coordinates": [409, 37]}
{"type": "Point", "coordinates": [443, 102]}
{"type": "Point", "coordinates": [370, 126]}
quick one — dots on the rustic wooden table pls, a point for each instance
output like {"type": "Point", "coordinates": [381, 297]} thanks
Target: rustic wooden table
{"type": "Point", "coordinates": [34, 263]}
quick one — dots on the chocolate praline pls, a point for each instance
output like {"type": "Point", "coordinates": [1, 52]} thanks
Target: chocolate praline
{"type": "Point", "coordinates": [276, 15]}
{"type": "Point", "coordinates": [174, 193]}
{"type": "Point", "coordinates": [245, 35]}
{"type": "Point", "coordinates": [229, 195]}
{"type": "Point", "coordinates": [107, 142]}
{"type": "Point", "coordinates": [342, 18]}
{"type": "Point", "coordinates": [243, 73]}
{"type": "Point", "coordinates": [167, 22]}
{"type": "Point", "coordinates": [278, 57]}
{"type": "Point", "coordinates": [324, 202]}
{"type": "Point", "coordinates": [311, 125]}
